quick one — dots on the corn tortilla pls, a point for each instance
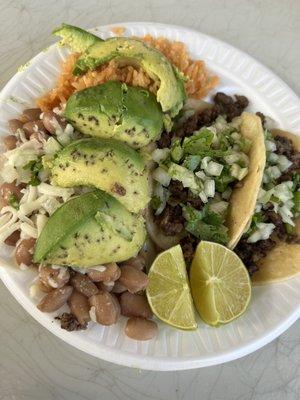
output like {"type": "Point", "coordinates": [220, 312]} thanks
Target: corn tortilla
{"type": "Point", "coordinates": [243, 198]}
{"type": "Point", "coordinates": [282, 262]}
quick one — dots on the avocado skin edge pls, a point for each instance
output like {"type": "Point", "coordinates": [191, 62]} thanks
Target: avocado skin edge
{"type": "Point", "coordinates": [171, 93]}
{"type": "Point", "coordinates": [74, 37]}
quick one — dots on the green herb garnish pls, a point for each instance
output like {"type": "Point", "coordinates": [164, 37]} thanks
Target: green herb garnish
{"type": "Point", "coordinates": [35, 166]}
{"type": "Point", "coordinates": [13, 201]}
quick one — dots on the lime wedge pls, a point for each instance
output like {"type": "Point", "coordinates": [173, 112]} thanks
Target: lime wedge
{"type": "Point", "coordinates": [220, 283]}
{"type": "Point", "coordinates": [168, 291]}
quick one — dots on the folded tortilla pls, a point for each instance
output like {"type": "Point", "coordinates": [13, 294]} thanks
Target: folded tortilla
{"type": "Point", "coordinates": [283, 261]}
{"type": "Point", "coordinates": [243, 198]}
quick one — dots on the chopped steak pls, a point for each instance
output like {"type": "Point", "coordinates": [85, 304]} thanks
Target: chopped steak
{"type": "Point", "coordinates": [179, 194]}
{"type": "Point", "coordinates": [288, 175]}
{"type": "Point", "coordinates": [203, 118]}
{"type": "Point", "coordinates": [69, 322]}
{"type": "Point", "coordinates": [165, 140]}
{"type": "Point", "coordinates": [284, 146]}
{"type": "Point", "coordinates": [188, 245]}
{"type": "Point", "coordinates": [171, 221]}
{"type": "Point", "coordinates": [223, 105]}
{"type": "Point", "coordinates": [229, 106]}
{"type": "Point", "coordinates": [262, 118]}
{"type": "Point", "coordinates": [251, 253]}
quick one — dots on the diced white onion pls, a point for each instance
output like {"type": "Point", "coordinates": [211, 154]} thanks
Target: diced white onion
{"type": "Point", "coordinates": [263, 232]}
{"type": "Point", "coordinates": [201, 175]}
{"type": "Point", "coordinates": [219, 207]}
{"type": "Point", "coordinates": [203, 197]}
{"type": "Point", "coordinates": [273, 158]}
{"type": "Point", "coordinates": [160, 155]}
{"type": "Point", "coordinates": [161, 176]}
{"type": "Point", "coordinates": [270, 146]}
{"type": "Point", "coordinates": [238, 172]}
{"type": "Point", "coordinates": [213, 168]}
{"type": "Point", "coordinates": [205, 162]}
{"type": "Point", "coordinates": [283, 163]}
{"type": "Point", "coordinates": [209, 187]}
{"type": "Point", "coordinates": [227, 193]}
{"type": "Point", "coordinates": [286, 214]}
{"type": "Point", "coordinates": [283, 191]}
{"type": "Point", "coordinates": [273, 172]}
{"type": "Point", "coordinates": [232, 158]}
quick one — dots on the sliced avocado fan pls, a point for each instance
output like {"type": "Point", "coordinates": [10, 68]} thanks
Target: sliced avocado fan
{"type": "Point", "coordinates": [76, 38]}
{"type": "Point", "coordinates": [106, 164]}
{"type": "Point", "coordinates": [90, 229]}
{"type": "Point", "coordinates": [171, 92]}
{"type": "Point", "coordinates": [113, 109]}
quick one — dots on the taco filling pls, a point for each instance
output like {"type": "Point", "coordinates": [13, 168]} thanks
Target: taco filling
{"type": "Point", "coordinates": [195, 174]}
{"type": "Point", "coordinates": [277, 208]}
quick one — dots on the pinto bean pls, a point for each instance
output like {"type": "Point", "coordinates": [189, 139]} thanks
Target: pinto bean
{"type": "Point", "coordinates": [133, 279]}
{"type": "Point", "coordinates": [10, 142]}
{"type": "Point", "coordinates": [118, 288]}
{"type": "Point", "coordinates": [24, 251]}
{"type": "Point", "coordinates": [8, 189]}
{"type": "Point", "coordinates": [14, 125]}
{"type": "Point", "coordinates": [140, 328]}
{"type": "Point", "coordinates": [80, 307]}
{"type": "Point", "coordinates": [31, 114]}
{"type": "Point", "coordinates": [108, 272]}
{"type": "Point", "coordinates": [54, 277]}
{"type": "Point", "coordinates": [55, 299]}
{"type": "Point", "coordinates": [44, 288]}
{"type": "Point", "coordinates": [107, 308]}
{"type": "Point", "coordinates": [137, 262]}
{"type": "Point", "coordinates": [12, 239]}
{"type": "Point", "coordinates": [107, 285]}
{"type": "Point", "coordinates": [32, 127]}
{"type": "Point", "coordinates": [84, 285]}
{"type": "Point", "coordinates": [135, 305]}
{"type": "Point", "coordinates": [51, 121]}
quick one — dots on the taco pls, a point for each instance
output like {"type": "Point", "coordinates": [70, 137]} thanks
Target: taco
{"type": "Point", "coordinates": [243, 198]}
{"type": "Point", "coordinates": [270, 247]}
{"type": "Point", "coordinates": [206, 183]}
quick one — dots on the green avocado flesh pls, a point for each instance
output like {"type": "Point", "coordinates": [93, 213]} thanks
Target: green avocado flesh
{"type": "Point", "coordinates": [105, 164]}
{"type": "Point", "coordinates": [93, 228]}
{"type": "Point", "coordinates": [113, 109]}
{"type": "Point", "coordinates": [76, 38]}
{"type": "Point", "coordinates": [171, 93]}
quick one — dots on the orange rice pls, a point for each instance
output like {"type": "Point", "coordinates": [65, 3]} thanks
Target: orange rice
{"type": "Point", "coordinates": [199, 82]}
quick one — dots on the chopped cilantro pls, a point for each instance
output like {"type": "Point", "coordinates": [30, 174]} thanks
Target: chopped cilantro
{"type": "Point", "coordinates": [205, 224]}
{"type": "Point", "coordinates": [155, 202]}
{"type": "Point", "coordinates": [13, 201]}
{"type": "Point", "coordinates": [35, 166]}
{"type": "Point", "coordinates": [199, 142]}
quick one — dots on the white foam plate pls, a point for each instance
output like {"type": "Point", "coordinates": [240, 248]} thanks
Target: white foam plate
{"type": "Point", "coordinates": [273, 308]}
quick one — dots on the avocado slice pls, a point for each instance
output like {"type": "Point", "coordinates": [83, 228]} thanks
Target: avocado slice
{"type": "Point", "coordinates": [93, 228]}
{"type": "Point", "coordinates": [106, 164]}
{"type": "Point", "coordinates": [171, 93]}
{"type": "Point", "coordinates": [113, 109]}
{"type": "Point", "coordinates": [76, 38]}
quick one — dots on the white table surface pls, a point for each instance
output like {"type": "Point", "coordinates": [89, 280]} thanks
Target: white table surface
{"type": "Point", "coordinates": [36, 365]}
